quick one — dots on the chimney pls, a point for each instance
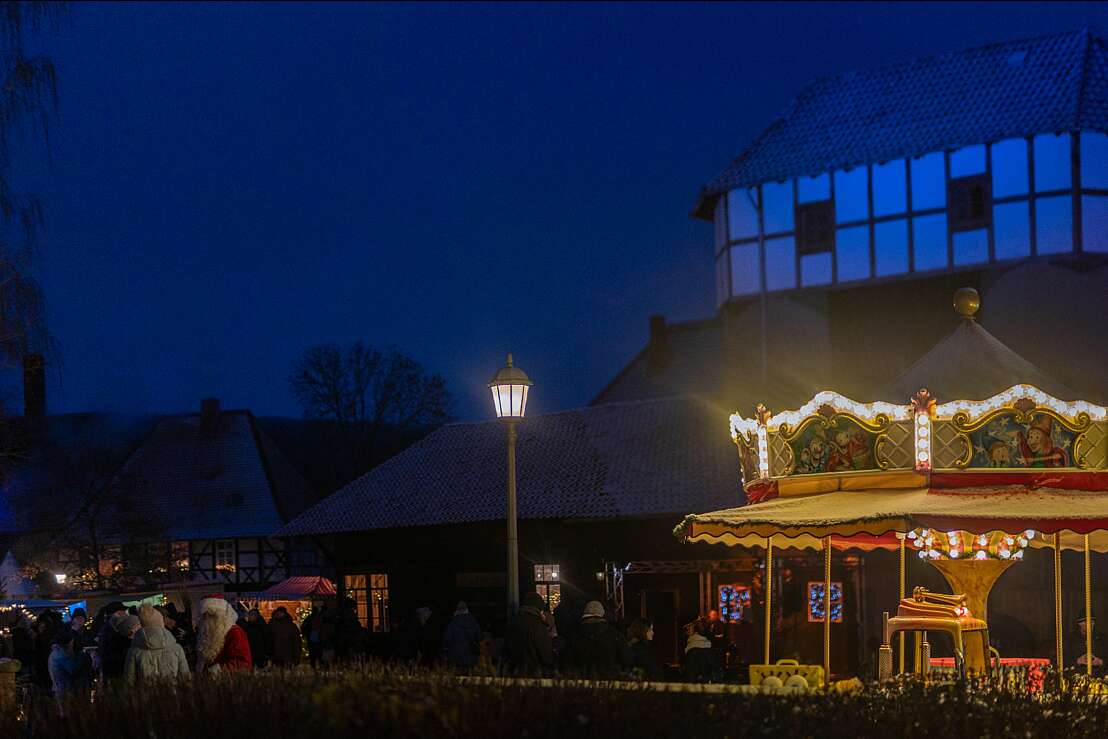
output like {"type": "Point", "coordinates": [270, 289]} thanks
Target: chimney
{"type": "Point", "coordinates": [658, 353]}
{"type": "Point", "coordinates": [209, 415]}
{"type": "Point", "coordinates": [34, 389]}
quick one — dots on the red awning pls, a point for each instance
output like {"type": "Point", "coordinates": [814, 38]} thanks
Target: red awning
{"type": "Point", "coordinates": [299, 588]}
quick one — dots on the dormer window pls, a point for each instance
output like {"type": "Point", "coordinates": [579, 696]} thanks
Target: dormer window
{"type": "Point", "coordinates": [970, 202]}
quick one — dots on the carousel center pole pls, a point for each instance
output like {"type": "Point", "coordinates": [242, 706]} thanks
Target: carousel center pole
{"type": "Point", "coordinates": [769, 593]}
{"type": "Point", "coordinates": [1088, 610]}
{"type": "Point", "coordinates": [827, 611]}
{"type": "Point", "coordinates": [900, 636]}
{"type": "Point", "coordinates": [1058, 602]}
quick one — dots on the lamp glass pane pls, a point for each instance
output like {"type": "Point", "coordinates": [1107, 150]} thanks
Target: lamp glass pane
{"type": "Point", "coordinates": [523, 402]}
{"type": "Point", "coordinates": [496, 401]}
{"type": "Point", "coordinates": [505, 400]}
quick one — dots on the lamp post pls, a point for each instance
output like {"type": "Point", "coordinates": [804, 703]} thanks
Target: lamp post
{"type": "Point", "coordinates": [509, 388]}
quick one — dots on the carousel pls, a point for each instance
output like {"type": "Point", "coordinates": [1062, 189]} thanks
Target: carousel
{"type": "Point", "coordinates": [978, 462]}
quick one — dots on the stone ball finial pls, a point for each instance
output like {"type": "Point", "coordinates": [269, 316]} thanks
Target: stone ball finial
{"type": "Point", "coordinates": [966, 302]}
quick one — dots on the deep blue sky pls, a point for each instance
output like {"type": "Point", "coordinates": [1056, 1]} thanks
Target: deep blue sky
{"type": "Point", "coordinates": [229, 184]}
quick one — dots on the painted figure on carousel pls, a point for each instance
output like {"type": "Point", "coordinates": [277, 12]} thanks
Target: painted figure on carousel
{"type": "Point", "coordinates": [1037, 446]}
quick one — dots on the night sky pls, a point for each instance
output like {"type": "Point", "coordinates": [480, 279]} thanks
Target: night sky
{"type": "Point", "coordinates": [229, 184]}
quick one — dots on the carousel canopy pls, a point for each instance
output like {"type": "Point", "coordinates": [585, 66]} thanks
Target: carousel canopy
{"type": "Point", "coordinates": [1018, 460]}
{"type": "Point", "coordinates": [299, 588]}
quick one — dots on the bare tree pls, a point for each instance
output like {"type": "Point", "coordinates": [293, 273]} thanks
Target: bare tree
{"type": "Point", "coordinates": [367, 390]}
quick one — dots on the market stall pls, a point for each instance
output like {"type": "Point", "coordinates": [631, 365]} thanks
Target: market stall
{"type": "Point", "coordinates": [964, 485]}
{"type": "Point", "coordinates": [297, 594]}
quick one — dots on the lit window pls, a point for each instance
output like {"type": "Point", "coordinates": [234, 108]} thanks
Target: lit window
{"type": "Point", "coordinates": [929, 242]}
{"type": "Point", "coordinates": [1009, 168]}
{"type": "Point", "coordinates": [967, 161]}
{"type": "Point", "coordinates": [971, 247]}
{"type": "Point", "coordinates": [816, 606]}
{"type": "Point", "coordinates": [1054, 225]}
{"type": "Point", "coordinates": [890, 248]}
{"type": "Point", "coordinates": [356, 590]}
{"type": "Point", "coordinates": [379, 602]}
{"type": "Point", "coordinates": [1094, 217]}
{"type": "Point", "coordinates": [851, 195]}
{"type": "Point", "coordinates": [889, 188]}
{"type": "Point", "coordinates": [548, 584]}
{"type": "Point", "coordinates": [1052, 162]}
{"type": "Point", "coordinates": [733, 602]}
{"type": "Point", "coordinates": [970, 203]}
{"type": "Point", "coordinates": [812, 189]}
{"type": "Point", "coordinates": [1012, 229]}
{"type": "Point", "coordinates": [815, 227]}
{"type": "Point", "coordinates": [1094, 160]}
{"type": "Point", "coordinates": [780, 264]}
{"type": "Point", "coordinates": [179, 556]}
{"type": "Point", "coordinates": [928, 182]}
{"type": "Point", "coordinates": [225, 555]}
{"type": "Point", "coordinates": [742, 213]}
{"type": "Point", "coordinates": [777, 198]}
{"type": "Point", "coordinates": [852, 253]}
{"type": "Point", "coordinates": [746, 269]}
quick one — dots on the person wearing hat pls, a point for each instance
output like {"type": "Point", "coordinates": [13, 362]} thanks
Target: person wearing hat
{"type": "Point", "coordinates": [154, 653]}
{"type": "Point", "coordinates": [1076, 648]}
{"type": "Point", "coordinates": [82, 637]}
{"type": "Point", "coordinates": [69, 669]}
{"type": "Point", "coordinates": [287, 644]}
{"type": "Point", "coordinates": [221, 644]}
{"type": "Point", "coordinates": [529, 646]}
{"type": "Point", "coordinates": [1037, 446]}
{"type": "Point", "coordinates": [598, 649]}
{"type": "Point", "coordinates": [112, 656]}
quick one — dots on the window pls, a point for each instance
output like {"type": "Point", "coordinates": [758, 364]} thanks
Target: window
{"type": "Point", "coordinates": [1094, 217]}
{"type": "Point", "coordinates": [971, 247]}
{"type": "Point", "coordinates": [371, 603]}
{"type": "Point", "coordinates": [179, 554]}
{"type": "Point", "coordinates": [225, 555]}
{"type": "Point", "coordinates": [356, 590]}
{"type": "Point", "coordinates": [780, 264]}
{"type": "Point", "coordinates": [815, 269]}
{"type": "Point", "coordinates": [815, 227]}
{"type": "Point", "coordinates": [746, 269]}
{"type": "Point", "coordinates": [1094, 160]}
{"type": "Point", "coordinates": [929, 242]}
{"type": "Point", "coordinates": [548, 584]}
{"type": "Point", "coordinates": [1052, 162]}
{"type": "Point", "coordinates": [1009, 168]}
{"type": "Point", "coordinates": [970, 203]}
{"type": "Point", "coordinates": [811, 189]}
{"type": "Point", "coordinates": [928, 182]}
{"type": "Point", "coordinates": [890, 249]}
{"type": "Point", "coordinates": [816, 605]}
{"type": "Point", "coordinates": [889, 188]}
{"type": "Point", "coordinates": [967, 161]}
{"type": "Point", "coordinates": [1012, 228]}
{"type": "Point", "coordinates": [1054, 224]}
{"type": "Point", "coordinates": [851, 195]}
{"type": "Point", "coordinates": [733, 602]}
{"type": "Point", "coordinates": [742, 213]}
{"type": "Point", "coordinates": [852, 253]}
{"type": "Point", "coordinates": [777, 199]}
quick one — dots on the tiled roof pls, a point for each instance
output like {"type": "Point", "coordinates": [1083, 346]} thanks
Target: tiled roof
{"type": "Point", "coordinates": [188, 482]}
{"type": "Point", "coordinates": [1020, 88]}
{"type": "Point", "coordinates": [664, 456]}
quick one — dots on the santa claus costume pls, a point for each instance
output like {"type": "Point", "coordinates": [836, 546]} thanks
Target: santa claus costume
{"type": "Point", "coordinates": [221, 644]}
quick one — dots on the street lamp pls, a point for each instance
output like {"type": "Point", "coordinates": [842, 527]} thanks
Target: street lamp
{"type": "Point", "coordinates": [509, 387]}
{"type": "Point", "coordinates": [60, 577]}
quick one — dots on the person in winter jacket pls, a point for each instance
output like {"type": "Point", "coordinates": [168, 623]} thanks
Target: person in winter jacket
{"type": "Point", "coordinates": [259, 636]}
{"type": "Point", "coordinates": [221, 644]}
{"type": "Point", "coordinates": [461, 642]}
{"type": "Point", "coordinates": [528, 646]}
{"type": "Point", "coordinates": [287, 644]}
{"type": "Point", "coordinates": [154, 653]}
{"type": "Point", "coordinates": [114, 653]}
{"type": "Point", "coordinates": [69, 670]}
{"type": "Point", "coordinates": [105, 640]}
{"type": "Point", "coordinates": [700, 663]}
{"type": "Point", "coordinates": [641, 643]}
{"type": "Point", "coordinates": [597, 649]}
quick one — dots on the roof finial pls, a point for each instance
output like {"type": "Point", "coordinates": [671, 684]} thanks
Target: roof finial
{"type": "Point", "coordinates": [509, 359]}
{"type": "Point", "coordinates": [966, 302]}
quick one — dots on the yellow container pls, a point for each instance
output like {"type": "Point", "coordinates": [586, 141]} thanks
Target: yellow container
{"type": "Point", "coordinates": [786, 668]}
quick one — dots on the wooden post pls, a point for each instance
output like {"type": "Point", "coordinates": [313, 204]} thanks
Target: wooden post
{"type": "Point", "coordinates": [1058, 626]}
{"type": "Point", "coordinates": [768, 585]}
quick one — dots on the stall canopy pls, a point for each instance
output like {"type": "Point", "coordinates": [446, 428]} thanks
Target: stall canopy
{"type": "Point", "coordinates": [299, 588]}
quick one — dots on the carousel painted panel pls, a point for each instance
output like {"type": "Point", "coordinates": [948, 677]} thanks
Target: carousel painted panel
{"type": "Point", "coordinates": [839, 443]}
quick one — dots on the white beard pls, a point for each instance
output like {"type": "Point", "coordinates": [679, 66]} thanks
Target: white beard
{"type": "Point", "coordinates": [215, 621]}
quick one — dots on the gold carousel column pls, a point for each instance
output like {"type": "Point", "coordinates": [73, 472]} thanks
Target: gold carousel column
{"type": "Point", "coordinates": [1058, 602]}
{"type": "Point", "coordinates": [1088, 610]}
{"type": "Point", "coordinates": [903, 577]}
{"type": "Point", "coordinates": [827, 611]}
{"type": "Point", "coordinates": [768, 585]}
